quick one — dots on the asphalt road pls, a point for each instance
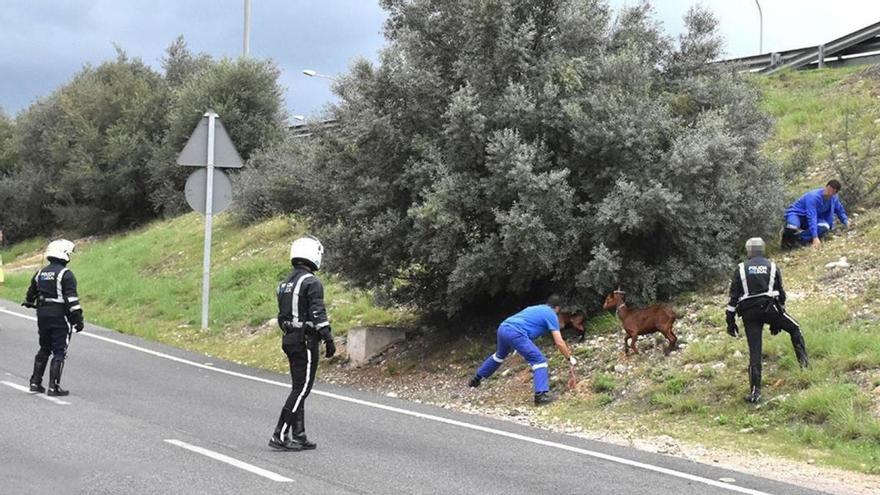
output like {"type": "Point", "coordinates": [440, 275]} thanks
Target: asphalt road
{"type": "Point", "coordinates": [147, 418]}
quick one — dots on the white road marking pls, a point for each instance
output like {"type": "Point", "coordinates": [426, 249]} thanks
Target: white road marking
{"type": "Point", "coordinates": [229, 460]}
{"type": "Point", "coordinates": [438, 419]}
{"type": "Point", "coordinates": [42, 396]}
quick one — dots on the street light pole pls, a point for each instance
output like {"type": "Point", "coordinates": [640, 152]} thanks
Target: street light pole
{"type": "Point", "coordinates": [761, 36]}
{"type": "Point", "coordinates": [247, 28]}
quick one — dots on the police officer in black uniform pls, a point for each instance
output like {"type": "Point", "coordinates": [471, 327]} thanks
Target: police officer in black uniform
{"type": "Point", "coordinates": [303, 319]}
{"type": "Point", "coordinates": [757, 295]}
{"type": "Point", "coordinates": [53, 293]}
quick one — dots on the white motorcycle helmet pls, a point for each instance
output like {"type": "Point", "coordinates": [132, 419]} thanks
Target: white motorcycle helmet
{"type": "Point", "coordinates": [309, 249]}
{"type": "Point", "coordinates": [60, 249]}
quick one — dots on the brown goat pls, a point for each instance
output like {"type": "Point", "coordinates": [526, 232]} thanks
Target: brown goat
{"type": "Point", "coordinates": [654, 318]}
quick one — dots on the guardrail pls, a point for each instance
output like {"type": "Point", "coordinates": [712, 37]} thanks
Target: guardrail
{"type": "Point", "coordinates": [306, 129]}
{"type": "Point", "coordinates": [858, 47]}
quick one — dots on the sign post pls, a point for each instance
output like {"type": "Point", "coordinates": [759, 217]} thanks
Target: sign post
{"type": "Point", "coordinates": [209, 146]}
{"type": "Point", "coordinates": [209, 216]}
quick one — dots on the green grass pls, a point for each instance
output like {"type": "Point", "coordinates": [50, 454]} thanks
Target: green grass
{"type": "Point", "coordinates": [148, 283]}
{"type": "Point", "coordinates": [823, 412]}
{"type": "Point", "coordinates": [809, 108]}
{"type": "Point", "coordinates": [826, 412]}
{"type": "Point", "coordinates": [603, 382]}
{"type": "Point", "coordinates": [10, 253]}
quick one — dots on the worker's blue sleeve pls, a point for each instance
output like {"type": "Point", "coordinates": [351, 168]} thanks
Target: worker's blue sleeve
{"type": "Point", "coordinates": [812, 208]}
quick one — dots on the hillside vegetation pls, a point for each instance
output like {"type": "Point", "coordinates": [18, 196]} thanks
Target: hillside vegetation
{"type": "Point", "coordinates": [147, 283]}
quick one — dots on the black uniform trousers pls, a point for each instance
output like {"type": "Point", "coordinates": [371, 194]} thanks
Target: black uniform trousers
{"type": "Point", "coordinates": [767, 312]}
{"type": "Point", "coordinates": [302, 350]}
{"type": "Point", "coordinates": [54, 334]}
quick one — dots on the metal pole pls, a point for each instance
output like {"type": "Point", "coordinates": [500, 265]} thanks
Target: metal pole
{"type": "Point", "coordinates": [247, 27]}
{"type": "Point", "coordinates": [209, 207]}
{"type": "Point", "coordinates": [761, 36]}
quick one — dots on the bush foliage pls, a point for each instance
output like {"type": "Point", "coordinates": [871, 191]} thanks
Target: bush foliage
{"type": "Point", "coordinates": [98, 154]}
{"type": "Point", "coordinates": [503, 149]}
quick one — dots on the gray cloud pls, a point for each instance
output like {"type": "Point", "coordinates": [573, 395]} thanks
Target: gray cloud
{"type": "Point", "coordinates": [44, 42]}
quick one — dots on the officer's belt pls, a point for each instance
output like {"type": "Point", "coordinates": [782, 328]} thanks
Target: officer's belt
{"type": "Point", "coordinates": [307, 327]}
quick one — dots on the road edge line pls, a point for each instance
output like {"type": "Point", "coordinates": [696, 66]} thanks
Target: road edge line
{"type": "Point", "coordinates": [229, 460]}
{"type": "Point", "coordinates": [439, 419]}
{"type": "Point", "coordinates": [26, 390]}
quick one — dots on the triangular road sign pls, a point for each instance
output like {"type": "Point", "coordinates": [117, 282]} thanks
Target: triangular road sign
{"type": "Point", "coordinates": [195, 153]}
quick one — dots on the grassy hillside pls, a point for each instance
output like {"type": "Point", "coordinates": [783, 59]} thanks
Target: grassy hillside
{"type": "Point", "coordinates": [811, 110]}
{"type": "Point", "coordinates": [148, 283]}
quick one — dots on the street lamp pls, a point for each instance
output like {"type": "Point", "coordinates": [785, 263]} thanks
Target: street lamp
{"type": "Point", "coordinates": [311, 73]}
{"type": "Point", "coordinates": [246, 38]}
{"type": "Point", "coordinates": [761, 38]}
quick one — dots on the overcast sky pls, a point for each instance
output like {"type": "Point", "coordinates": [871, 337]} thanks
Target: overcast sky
{"type": "Point", "coordinates": [44, 42]}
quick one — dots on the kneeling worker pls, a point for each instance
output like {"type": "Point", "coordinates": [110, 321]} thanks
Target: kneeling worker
{"type": "Point", "coordinates": [809, 218]}
{"type": "Point", "coordinates": [756, 293]}
{"type": "Point", "coordinates": [517, 333]}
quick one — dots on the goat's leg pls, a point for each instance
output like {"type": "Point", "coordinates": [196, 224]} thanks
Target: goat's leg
{"type": "Point", "coordinates": [632, 342]}
{"type": "Point", "coordinates": [671, 337]}
{"type": "Point", "coordinates": [625, 344]}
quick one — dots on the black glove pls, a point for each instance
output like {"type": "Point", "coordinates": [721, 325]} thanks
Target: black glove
{"type": "Point", "coordinates": [28, 304]}
{"type": "Point", "coordinates": [78, 326]}
{"type": "Point", "coordinates": [732, 329]}
{"type": "Point", "coordinates": [329, 345]}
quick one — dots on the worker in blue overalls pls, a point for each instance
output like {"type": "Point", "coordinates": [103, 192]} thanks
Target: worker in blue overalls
{"type": "Point", "coordinates": [518, 333]}
{"type": "Point", "coordinates": [809, 218]}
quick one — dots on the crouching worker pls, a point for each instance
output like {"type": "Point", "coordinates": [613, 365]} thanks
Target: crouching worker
{"type": "Point", "coordinates": [756, 294]}
{"type": "Point", "coordinates": [811, 217]}
{"type": "Point", "coordinates": [53, 293]}
{"type": "Point", "coordinates": [518, 333]}
{"type": "Point", "coordinates": [303, 319]}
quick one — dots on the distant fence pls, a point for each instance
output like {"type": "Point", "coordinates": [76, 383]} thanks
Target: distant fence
{"type": "Point", "coordinates": [306, 129]}
{"type": "Point", "coordinates": [858, 47]}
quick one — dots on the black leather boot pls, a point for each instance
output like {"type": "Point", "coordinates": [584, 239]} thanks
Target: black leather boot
{"type": "Point", "coordinates": [298, 432]}
{"type": "Point", "coordinates": [475, 381]}
{"type": "Point", "coordinates": [789, 239]}
{"type": "Point", "coordinates": [755, 385]}
{"type": "Point", "coordinates": [543, 398]}
{"type": "Point", "coordinates": [281, 441]}
{"type": "Point", "coordinates": [55, 370]}
{"type": "Point", "coordinates": [40, 362]}
{"type": "Point", "coordinates": [281, 438]}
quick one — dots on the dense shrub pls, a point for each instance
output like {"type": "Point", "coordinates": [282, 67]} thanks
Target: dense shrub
{"type": "Point", "coordinates": [502, 149]}
{"type": "Point", "coordinates": [244, 93]}
{"type": "Point", "coordinates": [90, 141]}
{"type": "Point", "coordinates": [98, 154]}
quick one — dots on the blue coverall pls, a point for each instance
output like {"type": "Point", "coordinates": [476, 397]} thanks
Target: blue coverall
{"type": "Point", "coordinates": [517, 333]}
{"type": "Point", "coordinates": [814, 214]}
